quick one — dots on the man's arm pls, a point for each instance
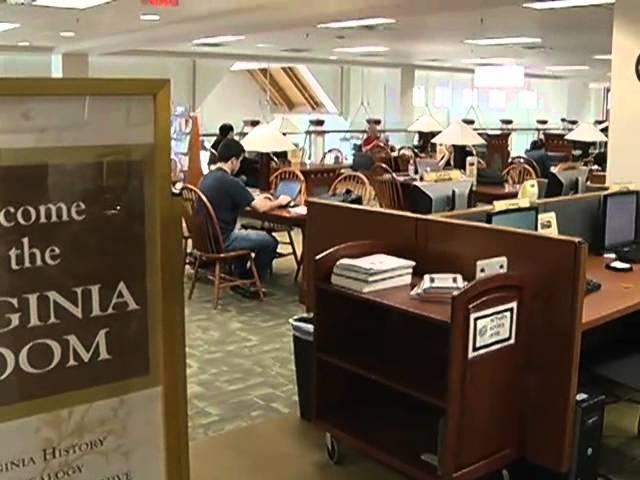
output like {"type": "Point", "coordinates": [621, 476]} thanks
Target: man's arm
{"type": "Point", "coordinates": [265, 203]}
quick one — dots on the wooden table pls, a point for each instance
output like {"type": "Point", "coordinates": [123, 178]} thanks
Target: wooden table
{"type": "Point", "coordinates": [490, 193]}
{"type": "Point", "coordinates": [279, 216]}
{"type": "Point", "coordinates": [620, 294]}
{"type": "Point", "coordinates": [319, 177]}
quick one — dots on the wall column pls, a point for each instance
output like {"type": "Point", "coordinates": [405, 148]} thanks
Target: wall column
{"type": "Point", "coordinates": [407, 83]}
{"type": "Point", "coordinates": [624, 141]}
{"type": "Point", "coordinates": [75, 65]}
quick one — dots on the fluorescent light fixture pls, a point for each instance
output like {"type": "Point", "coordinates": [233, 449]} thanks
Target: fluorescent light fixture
{"type": "Point", "coordinates": [567, 68]}
{"type": "Point", "coordinates": [24, 44]}
{"type": "Point", "coordinates": [500, 76]}
{"type": "Point", "coordinates": [149, 17]}
{"type": "Point", "coordinates": [484, 42]}
{"type": "Point", "coordinates": [218, 39]}
{"type": "Point", "coordinates": [265, 45]}
{"type": "Point", "coordinates": [554, 4]}
{"type": "Point", "coordinates": [365, 49]}
{"type": "Point", "coordinates": [603, 57]}
{"type": "Point", "coordinates": [488, 61]}
{"type": "Point", "coordinates": [333, 57]}
{"type": "Point", "coordinates": [358, 22]}
{"type": "Point", "coordinates": [68, 34]}
{"type": "Point", "coordinates": [70, 4]}
{"type": "Point", "coordinates": [6, 26]}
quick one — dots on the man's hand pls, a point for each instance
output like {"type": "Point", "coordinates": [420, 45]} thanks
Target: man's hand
{"type": "Point", "coordinates": [283, 200]}
{"type": "Point", "coordinates": [266, 196]}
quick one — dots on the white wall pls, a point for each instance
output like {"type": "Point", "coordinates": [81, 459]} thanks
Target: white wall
{"type": "Point", "coordinates": [178, 70]}
{"type": "Point", "coordinates": [25, 65]}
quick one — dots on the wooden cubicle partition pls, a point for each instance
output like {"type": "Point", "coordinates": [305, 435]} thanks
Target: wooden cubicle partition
{"type": "Point", "coordinates": [556, 266]}
{"type": "Point", "coordinates": [555, 142]}
{"type": "Point", "coordinates": [498, 149]}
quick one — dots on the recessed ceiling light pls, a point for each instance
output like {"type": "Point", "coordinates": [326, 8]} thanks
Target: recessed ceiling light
{"type": "Point", "coordinates": [358, 22]}
{"type": "Point", "coordinates": [149, 17]}
{"type": "Point", "coordinates": [553, 4]}
{"type": "Point", "coordinates": [265, 45]}
{"type": "Point", "coordinates": [366, 49]}
{"type": "Point", "coordinates": [68, 34]}
{"type": "Point", "coordinates": [24, 44]}
{"type": "Point", "coordinates": [488, 61]}
{"type": "Point", "coordinates": [5, 26]}
{"type": "Point", "coordinates": [602, 57]}
{"type": "Point", "coordinates": [567, 68]}
{"type": "Point", "coordinates": [333, 57]}
{"type": "Point", "coordinates": [503, 41]}
{"type": "Point", "coordinates": [218, 39]}
{"type": "Point", "coordinates": [74, 4]}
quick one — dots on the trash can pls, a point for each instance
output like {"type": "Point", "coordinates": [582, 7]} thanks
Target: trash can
{"type": "Point", "coordinates": [302, 330]}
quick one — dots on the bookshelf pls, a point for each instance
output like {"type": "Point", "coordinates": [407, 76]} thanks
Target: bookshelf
{"type": "Point", "coordinates": [395, 378]}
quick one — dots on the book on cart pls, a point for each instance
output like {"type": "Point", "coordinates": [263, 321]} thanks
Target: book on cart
{"type": "Point", "coordinates": [372, 273]}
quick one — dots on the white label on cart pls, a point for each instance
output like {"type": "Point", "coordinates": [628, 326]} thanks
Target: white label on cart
{"type": "Point", "coordinates": [492, 329]}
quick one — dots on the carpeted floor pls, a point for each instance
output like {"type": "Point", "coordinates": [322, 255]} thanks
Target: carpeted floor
{"type": "Point", "coordinates": [239, 357]}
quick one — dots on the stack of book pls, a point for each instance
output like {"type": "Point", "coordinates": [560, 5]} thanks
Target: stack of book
{"type": "Point", "coordinates": [372, 273]}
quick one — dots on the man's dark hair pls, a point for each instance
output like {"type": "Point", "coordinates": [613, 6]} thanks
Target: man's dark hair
{"type": "Point", "coordinates": [229, 149]}
{"type": "Point", "coordinates": [225, 129]}
{"type": "Point", "coordinates": [537, 145]}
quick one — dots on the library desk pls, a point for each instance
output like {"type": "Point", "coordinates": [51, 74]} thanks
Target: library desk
{"type": "Point", "coordinates": [491, 193]}
{"type": "Point", "coordinates": [620, 294]}
{"type": "Point", "coordinates": [280, 216]}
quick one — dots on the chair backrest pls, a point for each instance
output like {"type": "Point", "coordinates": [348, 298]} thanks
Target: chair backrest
{"type": "Point", "coordinates": [381, 154]}
{"type": "Point", "coordinates": [526, 161]}
{"type": "Point", "coordinates": [290, 174]}
{"type": "Point", "coordinates": [357, 183]}
{"type": "Point", "coordinates": [334, 157]}
{"type": "Point", "coordinates": [387, 187]}
{"type": "Point", "coordinates": [201, 222]}
{"type": "Point", "coordinates": [518, 173]}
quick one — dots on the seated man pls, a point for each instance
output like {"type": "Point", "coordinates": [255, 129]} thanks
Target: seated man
{"type": "Point", "coordinates": [538, 154]}
{"type": "Point", "coordinates": [228, 197]}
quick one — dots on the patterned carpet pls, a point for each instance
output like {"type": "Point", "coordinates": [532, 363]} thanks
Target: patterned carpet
{"type": "Point", "coordinates": [239, 357]}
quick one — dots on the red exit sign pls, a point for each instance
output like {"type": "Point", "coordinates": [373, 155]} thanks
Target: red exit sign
{"type": "Point", "coordinates": [161, 3]}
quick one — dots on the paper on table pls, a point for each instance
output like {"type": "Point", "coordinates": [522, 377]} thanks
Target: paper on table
{"type": "Point", "coordinates": [299, 210]}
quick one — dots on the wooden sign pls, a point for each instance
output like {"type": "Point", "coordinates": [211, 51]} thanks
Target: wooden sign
{"type": "Point", "coordinates": [492, 329]}
{"type": "Point", "coordinates": [443, 176]}
{"type": "Point", "coordinates": [89, 311]}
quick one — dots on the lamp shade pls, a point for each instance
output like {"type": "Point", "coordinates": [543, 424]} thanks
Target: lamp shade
{"type": "Point", "coordinates": [425, 123]}
{"type": "Point", "coordinates": [266, 138]}
{"type": "Point", "coordinates": [285, 125]}
{"type": "Point", "coordinates": [585, 132]}
{"type": "Point", "coordinates": [458, 134]}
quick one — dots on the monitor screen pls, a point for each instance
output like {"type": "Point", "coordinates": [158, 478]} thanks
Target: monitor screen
{"type": "Point", "coordinates": [290, 188]}
{"type": "Point", "coordinates": [522, 219]}
{"type": "Point", "coordinates": [621, 211]}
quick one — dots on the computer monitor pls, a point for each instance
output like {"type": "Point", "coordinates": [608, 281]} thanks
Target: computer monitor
{"type": "Point", "coordinates": [362, 162]}
{"type": "Point", "coordinates": [567, 182]}
{"type": "Point", "coordinates": [426, 198]}
{"type": "Point", "coordinates": [521, 218]}
{"type": "Point", "coordinates": [620, 217]}
{"type": "Point", "coordinates": [290, 188]}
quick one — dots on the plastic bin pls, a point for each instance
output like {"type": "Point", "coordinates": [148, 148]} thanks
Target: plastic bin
{"type": "Point", "coordinates": [302, 330]}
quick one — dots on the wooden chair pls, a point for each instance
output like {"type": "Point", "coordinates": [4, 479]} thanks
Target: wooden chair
{"type": "Point", "coordinates": [208, 245]}
{"type": "Point", "coordinates": [518, 173]}
{"type": "Point", "coordinates": [357, 183]}
{"type": "Point", "coordinates": [335, 157]}
{"type": "Point", "coordinates": [526, 161]}
{"type": "Point", "coordinates": [405, 156]}
{"type": "Point", "coordinates": [387, 187]}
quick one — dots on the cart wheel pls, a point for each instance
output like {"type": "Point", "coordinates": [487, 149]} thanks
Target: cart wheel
{"type": "Point", "coordinates": [332, 449]}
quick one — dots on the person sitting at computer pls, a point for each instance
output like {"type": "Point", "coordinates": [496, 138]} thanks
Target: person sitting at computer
{"type": "Point", "coordinates": [228, 197]}
{"type": "Point", "coordinates": [373, 138]}
{"type": "Point", "coordinates": [538, 153]}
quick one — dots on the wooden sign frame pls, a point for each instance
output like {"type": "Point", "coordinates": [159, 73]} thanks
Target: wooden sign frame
{"type": "Point", "coordinates": [163, 245]}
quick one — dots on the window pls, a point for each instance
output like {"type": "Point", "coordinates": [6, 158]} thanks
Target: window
{"type": "Point", "coordinates": [469, 98]}
{"type": "Point", "coordinates": [442, 97]}
{"type": "Point", "coordinates": [419, 96]}
{"type": "Point", "coordinates": [528, 99]}
{"type": "Point", "coordinates": [497, 99]}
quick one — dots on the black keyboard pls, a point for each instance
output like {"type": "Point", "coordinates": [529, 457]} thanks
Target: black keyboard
{"type": "Point", "coordinates": [629, 254]}
{"type": "Point", "coordinates": [592, 286]}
